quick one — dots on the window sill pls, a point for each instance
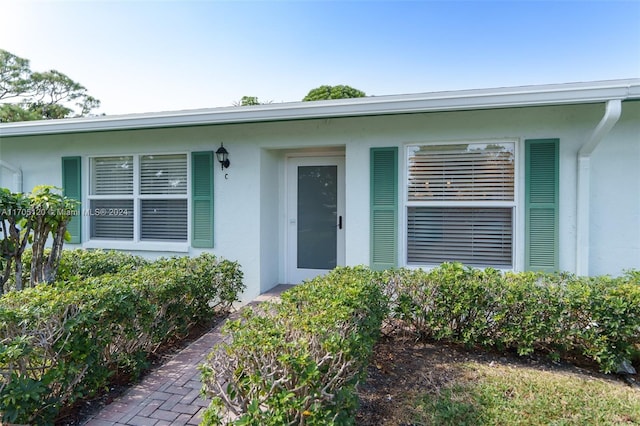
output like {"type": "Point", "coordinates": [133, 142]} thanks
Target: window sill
{"type": "Point", "coordinates": [159, 246]}
{"type": "Point", "coordinates": [414, 266]}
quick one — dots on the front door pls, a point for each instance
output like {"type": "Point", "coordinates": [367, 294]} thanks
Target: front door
{"type": "Point", "coordinates": [315, 216]}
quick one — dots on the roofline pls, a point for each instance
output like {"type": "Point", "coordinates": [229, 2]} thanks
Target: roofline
{"type": "Point", "coordinates": [521, 96]}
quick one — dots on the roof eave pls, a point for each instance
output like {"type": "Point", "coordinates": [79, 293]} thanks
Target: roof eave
{"type": "Point", "coordinates": [561, 94]}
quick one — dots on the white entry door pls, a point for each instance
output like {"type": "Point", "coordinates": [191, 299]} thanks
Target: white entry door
{"type": "Point", "coordinates": [315, 216]}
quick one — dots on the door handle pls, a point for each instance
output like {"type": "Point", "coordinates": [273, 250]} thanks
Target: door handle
{"type": "Point", "coordinates": [339, 222]}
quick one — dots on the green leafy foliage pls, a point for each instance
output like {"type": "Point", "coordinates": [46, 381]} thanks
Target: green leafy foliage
{"type": "Point", "coordinates": [79, 264]}
{"type": "Point", "coordinates": [27, 95]}
{"type": "Point", "coordinates": [32, 218]}
{"type": "Point", "coordinates": [297, 361]}
{"type": "Point", "coordinates": [598, 317]}
{"type": "Point", "coordinates": [333, 92]}
{"type": "Point", "coordinates": [64, 341]}
{"type": "Point", "coordinates": [247, 101]}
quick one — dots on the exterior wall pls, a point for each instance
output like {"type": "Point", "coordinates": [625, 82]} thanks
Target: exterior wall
{"type": "Point", "coordinates": [249, 204]}
{"type": "Point", "coordinates": [7, 179]}
{"type": "Point", "coordinates": [615, 197]}
{"type": "Point", "coordinates": [270, 223]}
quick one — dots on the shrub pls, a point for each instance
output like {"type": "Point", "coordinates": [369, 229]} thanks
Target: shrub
{"type": "Point", "coordinates": [62, 342]}
{"type": "Point", "coordinates": [299, 360]}
{"type": "Point", "coordinates": [598, 317]}
{"type": "Point", "coordinates": [80, 264]}
{"type": "Point", "coordinates": [92, 263]}
{"type": "Point", "coordinates": [449, 302]}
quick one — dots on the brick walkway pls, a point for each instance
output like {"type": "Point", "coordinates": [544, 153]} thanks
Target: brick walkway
{"type": "Point", "coordinates": [170, 394]}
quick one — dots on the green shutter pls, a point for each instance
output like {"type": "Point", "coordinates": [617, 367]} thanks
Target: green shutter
{"type": "Point", "coordinates": [541, 204]}
{"type": "Point", "coordinates": [384, 208]}
{"type": "Point", "coordinates": [72, 188]}
{"type": "Point", "coordinates": [202, 199]}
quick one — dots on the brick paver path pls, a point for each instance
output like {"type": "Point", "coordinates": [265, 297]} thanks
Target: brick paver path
{"type": "Point", "coordinates": [170, 394]}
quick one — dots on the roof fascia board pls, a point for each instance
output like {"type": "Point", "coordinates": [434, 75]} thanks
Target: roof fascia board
{"type": "Point", "coordinates": [563, 94]}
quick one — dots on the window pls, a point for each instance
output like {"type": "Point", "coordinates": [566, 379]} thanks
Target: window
{"type": "Point", "coordinates": [460, 204]}
{"type": "Point", "coordinates": [139, 198]}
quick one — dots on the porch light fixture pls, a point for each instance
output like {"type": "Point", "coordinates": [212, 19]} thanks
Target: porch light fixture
{"type": "Point", "coordinates": [223, 157]}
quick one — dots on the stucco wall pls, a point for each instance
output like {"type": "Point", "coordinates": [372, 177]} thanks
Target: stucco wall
{"type": "Point", "coordinates": [249, 204]}
{"type": "Point", "coordinates": [615, 197]}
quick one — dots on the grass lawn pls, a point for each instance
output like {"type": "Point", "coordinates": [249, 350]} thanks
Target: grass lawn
{"type": "Point", "coordinates": [410, 383]}
{"type": "Point", "coordinates": [508, 395]}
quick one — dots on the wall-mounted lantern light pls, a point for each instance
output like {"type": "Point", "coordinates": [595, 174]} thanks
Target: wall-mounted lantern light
{"type": "Point", "coordinates": [223, 157]}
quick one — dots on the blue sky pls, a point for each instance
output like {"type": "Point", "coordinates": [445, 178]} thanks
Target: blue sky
{"type": "Point", "coordinates": [141, 56]}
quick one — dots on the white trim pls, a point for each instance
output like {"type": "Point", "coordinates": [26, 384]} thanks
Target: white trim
{"type": "Point", "coordinates": [137, 208]}
{"type": "Point", "coordinates": [554, 94]}
{"type": "Point", "coordinates": [519, 216]}
{"type": "Point", "coordinates": [162, 246]}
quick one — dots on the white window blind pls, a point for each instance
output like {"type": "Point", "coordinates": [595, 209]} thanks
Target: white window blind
{"type": "Point", "coordinates": [111, 219]}
{"type": "Point", "coordinates": [473, 236]}
{"type": "Point", "coordinates": [139, 198]}
{"type": "Point", "coordinates": [461, 172]}
{"type": "Point", "coordinates": [163, 220]}
{"type": "Point", "coordinates": [163, 174]}
{"type": "Point", "coordinates": [112, 176]}
{"type": "Point", "coordinates": [461, 204]}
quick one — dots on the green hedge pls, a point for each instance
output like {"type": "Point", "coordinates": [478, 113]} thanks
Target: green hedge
{"type": "Point", "coordinates": [598, 317]}
{"type": "Point", "coordinates": [79, 264]}
{"type": "Point", "coordinates": [63, 342]}
{"type": "Point", "coordinates": [299, 360]}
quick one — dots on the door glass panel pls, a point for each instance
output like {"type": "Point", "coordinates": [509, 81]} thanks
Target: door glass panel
{"type": "Point", "coordinates": [317, 211]}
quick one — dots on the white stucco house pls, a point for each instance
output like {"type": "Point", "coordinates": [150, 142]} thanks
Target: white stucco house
{"type": "Point", "coordinates": [538, 177]}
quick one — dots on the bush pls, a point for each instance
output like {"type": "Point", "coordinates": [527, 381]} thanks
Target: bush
{"type": "Point", "coordinates": [299, 360]}
{"type": "Point", "coordinates": [62, 342]}
{"type": "Point", "coordinates": [92, 263]}
{"type": "Point", "coordinates": [80, 264]}
{"type": "Point", "coordinates": [598, 317]}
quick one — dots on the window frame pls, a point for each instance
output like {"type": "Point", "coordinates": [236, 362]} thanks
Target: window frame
{"type": "Point", "coordinates": [515, 204]}
{"type": "Point", "coordinates": [137, 243]}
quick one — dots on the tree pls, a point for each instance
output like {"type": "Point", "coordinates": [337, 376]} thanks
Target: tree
{"type": "Point", "coordinates": [27, 95]}
{"type": "Point", "coordinates": [249, 101]}
{"type": "Point", "coordinates": [33, 218]}
{"type": "Point", "coordinates": [333, 92]}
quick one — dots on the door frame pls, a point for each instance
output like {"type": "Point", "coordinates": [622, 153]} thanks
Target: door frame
{"type": "Point", "coordinates": [290, 243]}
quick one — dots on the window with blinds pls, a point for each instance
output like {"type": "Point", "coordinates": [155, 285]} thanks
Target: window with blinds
{"type": "Point", "coordinates": [475, 172]}
{"type": "Point", "coordinates": [163, 174]}
{"type": "Point", "coordinates": [112, 176]}
{"type": "Point", "coordinates": [163, 188]}
{"type": "Point", "coordinates": [111, 219]}
{"type": "Point", "coordinates": [474, 236]}
{"type": "Point", "coordinates": [139, 198]}
{"type": "Point", "coordinates": [163, 220]}
{"type": "Point", "coordinates": [460, 204]}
